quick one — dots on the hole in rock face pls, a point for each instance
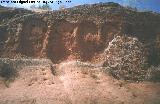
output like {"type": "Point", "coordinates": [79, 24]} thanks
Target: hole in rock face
{"type": "Point", "coordinates": [32, 36]}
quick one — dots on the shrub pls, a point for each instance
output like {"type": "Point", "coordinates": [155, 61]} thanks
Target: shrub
{"type": "Point", "coordinates": [7, 72]}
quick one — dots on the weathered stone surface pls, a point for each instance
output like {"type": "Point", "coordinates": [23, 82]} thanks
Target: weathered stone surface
{"type": "Point", "coordinates": [81, 32]}
{"type": "Point", "coordinates": [126, 58]}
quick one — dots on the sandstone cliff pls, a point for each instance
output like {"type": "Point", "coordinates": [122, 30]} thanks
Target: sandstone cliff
{"type": "Point", "coordinates": [82, 32]}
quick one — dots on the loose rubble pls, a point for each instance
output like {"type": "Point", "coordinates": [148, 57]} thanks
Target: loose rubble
{"type": "Point", "coordinates": [125, 57]}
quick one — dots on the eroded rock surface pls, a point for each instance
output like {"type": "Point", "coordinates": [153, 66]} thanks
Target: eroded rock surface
{"type": "Point", "coordinates": [82, 32]}
{"type": "Point", "coordinates": [84, 55]}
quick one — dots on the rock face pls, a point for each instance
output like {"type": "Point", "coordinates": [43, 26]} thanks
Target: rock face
{"type": "Point", "coordinates": [78, 33]}
{"type": "Point", "coordinates": [82, 33]}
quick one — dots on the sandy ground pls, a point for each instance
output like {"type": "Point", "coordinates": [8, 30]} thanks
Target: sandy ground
{"type": "Point", "coordinates": [75, 84]}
